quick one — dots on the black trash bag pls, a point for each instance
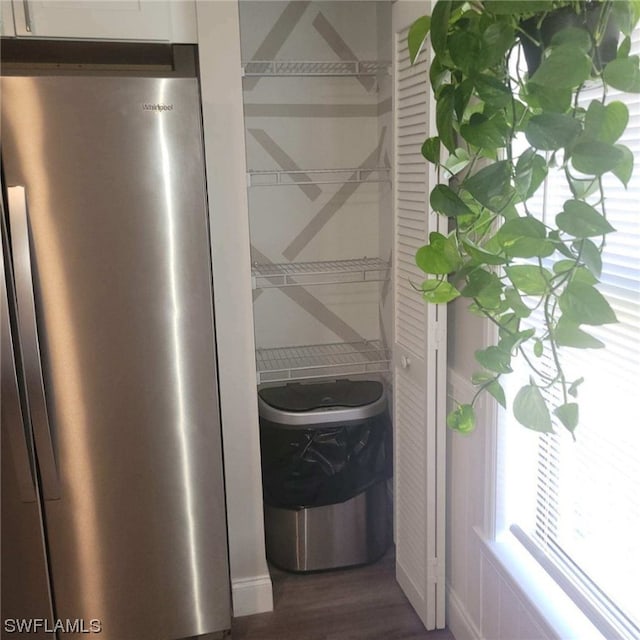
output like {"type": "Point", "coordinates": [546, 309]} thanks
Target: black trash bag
{"type": "Point", "coordinates": [317, 465]}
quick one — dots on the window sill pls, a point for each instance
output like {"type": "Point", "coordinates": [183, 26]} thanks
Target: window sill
{"type": "Point", "coordinates": [559, 615]}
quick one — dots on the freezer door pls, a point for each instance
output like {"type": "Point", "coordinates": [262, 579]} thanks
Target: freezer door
{"type": "Point", "coordinates": [117, 232]}
{"type": "Point", "coordinates": [25, 580]}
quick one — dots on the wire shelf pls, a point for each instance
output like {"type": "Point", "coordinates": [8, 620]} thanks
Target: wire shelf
{"type": "Point", "coordinates": [321, 361]}
{"type": "Point", "coordinates": [314, 273]}
{"type": "Point", "coordinates": [283, 177]}
{"type": "Point", "coordinates": [281, 68]}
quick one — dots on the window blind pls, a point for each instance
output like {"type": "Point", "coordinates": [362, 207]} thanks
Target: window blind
{"type": "Point", "coordinates": [584, 507]}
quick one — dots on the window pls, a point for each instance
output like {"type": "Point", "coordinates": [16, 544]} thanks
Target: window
{"type": "Point", "coordinates": [576, 505]}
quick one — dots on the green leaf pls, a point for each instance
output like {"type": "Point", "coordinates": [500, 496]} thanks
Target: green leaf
{"type": "Point", "coordinates": [485, 287]}
{"type": "Point", "coordinates": [444, 116]}
{"type": "Point", "coordinates": [623, 16]}
{"type": "Point", "coordinates": [513, 299]}
{"type": "Point", "coordinates": [440, 25]}
{"type": "Point", "coordinates": [445, 201]}
{"type": "Point", "coordinates": [509, 323]}
{"type": "Point", "coordinates": [538, 348]}
{"type": "Point", "coordinates": [462, 419]}
{"type": "Point", "coordinates": [484, 132]}
{"type": "Point", "coordinates": [606, 123]}
{"type": "Point", "coordinates": [560, 246]}
{"type": "Point", "coordinates": [491, 185]}
{"type": "Point", "coordinates": [562, 266]}
{"type": "Point", "coordinates": [566, 67]}
{"type": "Point", "coordinates": [624, 48]}
{"type": "Point", "coordinates": [595, 157]}
{"type": "Point", "coordinates": [464, 49]}
{"type": "Point", "coordinates": [510, 342]}
{"type": "Point", "coordinates": [496, 390]}
{"type": "Point", "coordinates": [464, 92]}
{"type": "Point", "coordinates": [582, 274]}
{"type": "Point", "coordinates": [457, 161]}
{"type": "Point", "coordinates": [524, 237]}
{"type": "Point", "coordinates": [477, 280]}
{"type": "Point", "coordinates": [623, 74]}
{"type": "Point", "coordinates": [440, 256]}
{"type": "Point", "coordinates": [584, 304]}
{"type": "Point", "coordinates": [550, 131]}
{"type": "Point", "coordinates": [491, 91]}
{"type": "Point", "coordinates": [578, 272]}
{"type": "Point", "coordinates": [438, 291]}
{"type": "Point", "coordinates": [438, 74]}
{"type": "Point", "coordinates": [591, 256]}
{"type": "Point", "coordinates": [581, 220]}
{"type": "Point", "coordinates": [480, 377]}
{"type": "Point", "coordinates": [481, 256]}
{"type": "Point", "coordinates": [530, 409]}
{"type": "Point", "coordinates": [494, 359]}
{"type": "Point", "coordinates": [431, 150]}
{"type": "Point", "coordinates": [497, 39]}
{"type": "Point", "coordinates": [417, 35]}
{"type": "Point", "coordinates": [546, 98]}
{"type": "Point", "coordinates": [531, 170]}
{"type": "Point", "coordinates": [574, 36]}
{"type": "Point", "coordinates": [530, 279]}
{"type": "Point", "coordinates": [573, 389]}
{"type": "Point", "coordinates": [568, 415]}
{"type": "Point", "coordinates": [567, 333]}
{"type": "Point", "coordinates": [624, 169]}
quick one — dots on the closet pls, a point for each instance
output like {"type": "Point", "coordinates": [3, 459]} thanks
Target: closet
{"type": "Point", "coordinates": [332, 240]}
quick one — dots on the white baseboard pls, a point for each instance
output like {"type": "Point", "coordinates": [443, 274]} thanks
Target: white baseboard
{"type": "Point", "coordinates": [460, 623]}
{"type": "Point", "coordinates": [251, 595]}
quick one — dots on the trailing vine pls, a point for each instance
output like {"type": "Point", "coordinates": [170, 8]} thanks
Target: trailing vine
{"type": "Point", "coordinates": [501, 132]}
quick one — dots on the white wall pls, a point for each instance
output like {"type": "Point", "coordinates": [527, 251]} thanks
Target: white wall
{"type": "Point", "coordinates": [483, 600]}
{"type": "Point", "coordinates": [219, 50]}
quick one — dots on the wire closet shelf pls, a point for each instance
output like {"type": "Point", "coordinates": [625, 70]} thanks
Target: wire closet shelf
{"type": "Point", "coordinates": [292, 274]}
{"type": "Point", "coordinates": [285, 177]}
{"type": "Point", "coordinates": [282, 68]}
{"type": "Point", "coordinates": [321, 361]}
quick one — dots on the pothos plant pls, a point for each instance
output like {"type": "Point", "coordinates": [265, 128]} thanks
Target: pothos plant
{"type": "Point", "coordinates": [501, 131]}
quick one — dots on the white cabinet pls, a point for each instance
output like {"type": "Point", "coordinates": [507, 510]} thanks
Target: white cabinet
{"type": "Point", "coordinates": [6, 19]}
{"type": "Point", "coordinates": [159, 20]}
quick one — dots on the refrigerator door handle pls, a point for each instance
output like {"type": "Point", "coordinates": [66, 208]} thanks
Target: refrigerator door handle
{"type": "Point", "coordinates": [11, 410]}
{"type": "Point", "coordinates": [29, 343]}
{"type": "Point", "coordinates": [27, 15]}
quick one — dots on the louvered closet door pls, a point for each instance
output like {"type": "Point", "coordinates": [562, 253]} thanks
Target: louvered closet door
{"type": "Point", "coordinates": [419, 345]}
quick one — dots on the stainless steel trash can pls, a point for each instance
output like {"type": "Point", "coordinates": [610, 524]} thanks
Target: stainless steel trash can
{"type": "Point", "coordinates": [325, 462]}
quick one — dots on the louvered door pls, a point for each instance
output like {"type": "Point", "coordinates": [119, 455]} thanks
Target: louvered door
{"type": "Point", "coordinates": [419, 344]}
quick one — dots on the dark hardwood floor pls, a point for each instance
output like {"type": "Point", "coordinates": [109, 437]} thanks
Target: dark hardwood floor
{"type": "Point", "coordinates": [364, 603]}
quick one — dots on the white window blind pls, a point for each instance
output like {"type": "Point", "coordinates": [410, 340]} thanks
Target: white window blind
{"type": "Point", "coordinates": [576, 505]}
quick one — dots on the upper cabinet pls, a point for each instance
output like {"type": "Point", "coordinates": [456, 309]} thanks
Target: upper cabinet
{"type": "Point", "coordinates": [6, 19]}
{"type": "Point", "coordinates": [163, 20]}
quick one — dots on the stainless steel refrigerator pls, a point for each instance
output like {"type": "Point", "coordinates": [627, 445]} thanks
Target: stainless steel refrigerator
{"type": "Point", "coordinates": [113, 511]}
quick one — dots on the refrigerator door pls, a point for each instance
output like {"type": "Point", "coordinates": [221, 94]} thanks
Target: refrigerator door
{"type": "Point", "coordinates": [25, 581]}
{"type": "Point", "coordinates": [113, 178]}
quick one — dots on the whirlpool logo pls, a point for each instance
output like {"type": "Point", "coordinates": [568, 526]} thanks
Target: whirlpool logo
{"type": "Point", "coordinates": [156, 106]}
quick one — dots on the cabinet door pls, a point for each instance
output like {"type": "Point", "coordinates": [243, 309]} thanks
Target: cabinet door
{"type": "Point", "coordinates": [6, 19]}
{"type": "Point", "coordinates": [419, 344]}
{"type": "Point", "coordinates": [98, 19]}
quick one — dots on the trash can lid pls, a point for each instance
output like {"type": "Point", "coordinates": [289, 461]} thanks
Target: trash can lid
{"type": "Point", "coordinates": [323, 395]}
